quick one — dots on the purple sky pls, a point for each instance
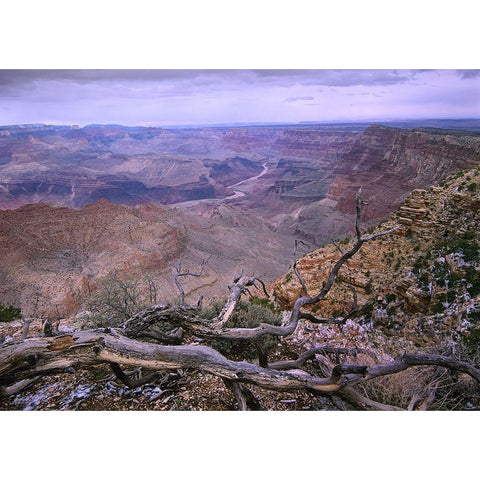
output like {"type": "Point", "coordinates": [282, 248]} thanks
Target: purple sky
{"type": "Point", "coordinates": [180, 97]}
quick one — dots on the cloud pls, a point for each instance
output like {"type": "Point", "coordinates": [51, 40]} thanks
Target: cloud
{"type": "Point", "coordinates": [298, 99]}
{"type": "Point", "coordinates": [279, 77]}
{"type": "Point", "coordinates": [465, 74]}
{"type": "Point", "coordinates": [163, 97]}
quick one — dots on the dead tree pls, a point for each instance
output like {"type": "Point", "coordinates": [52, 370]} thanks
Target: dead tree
{"type": "Point", "coordinates": [179, 274]}
{"type": "Point", "coordinates": [27, 360]}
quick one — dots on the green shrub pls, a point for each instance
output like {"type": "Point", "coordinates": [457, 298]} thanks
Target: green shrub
{"type": "Point", "coordinates": [262, 302]}
{"type": "Point", "coordinates": [9, 313]}
{"type": "Point", "coordinates": [390, 297]}
{"type": "Point", "coordinates": [474, 316]}
{"type": "Point", "coordinates": [367, 309]}
{"type": "Point", "coordinates": [465, 244]}
{"type": "Point", "coordinates": [472, 278]}
{"type": "Point", "coordinates": [438, 308]}
{"type": "Point", "coordinates": [472, 341]}
{"type": "Point", "coordinates": [246, 315]}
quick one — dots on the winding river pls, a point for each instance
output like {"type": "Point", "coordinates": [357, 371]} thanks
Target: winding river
{"type": "Point", "coordinates": [234, 195]}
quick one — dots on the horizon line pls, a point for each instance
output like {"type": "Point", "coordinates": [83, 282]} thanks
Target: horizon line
{"type": "Point", "coordinates": [241, 124]}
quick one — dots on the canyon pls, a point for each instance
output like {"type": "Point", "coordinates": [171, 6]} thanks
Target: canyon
{"type": "Point", "coordinates": [80, 203]}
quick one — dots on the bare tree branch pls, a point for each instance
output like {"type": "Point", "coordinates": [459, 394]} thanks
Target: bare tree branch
{"type": "Point", "coordinates": [179, 274]}
{"type": "Point", "coordinates": [18, 387]}
{"type": "Point", "coordinates": [237, 391]}
{"type": "Point", "coordinates": [26, 327]}
{"type": "Point", "coordinates": [411, 360]}
{"type": "Point", "coordinates": [309, 354]}
{"type": "Point", "coordinates": [295, 269]}
{"type": "Point", "coordinates": [351, 396]}
{"type": "Point", "coordinates": [337, 246]}
{"type": "Point", "coordinates": [236, 291]}
{"type": "Point", "coordinates": [170, 338]}
{"type": "Point", "coordinates": [133, 382]}
{"type": "Point", "coordinates": [318, 320]}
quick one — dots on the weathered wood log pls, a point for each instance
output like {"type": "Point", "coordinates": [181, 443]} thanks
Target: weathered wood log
{"type": "Point", "coordinates": [411, 360]}
{"type": "Point", "coordinates": [26, 327]}
{"type": "Point", "coordinates": [17, 387]}
{"type": "Point", "coordinates": [40, 356]}
{"type": "Point", "coordinates": [35, 357]}
{"type": "Point", "coordinates": [133, 382]}
{"type": "Point", "coordinates": [170, 338]}
{"type": "Point", "coordinates": [309, 354]}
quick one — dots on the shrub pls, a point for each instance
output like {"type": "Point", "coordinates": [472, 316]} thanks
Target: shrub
{"type": "Point", "coordinates": [9, 313]}
{"type": "Point", "coordinates": [472, 278]}
{"type": "Point", "coordinates": [114, 301]}
{"type": "Point", "coordinates": [465, 244]}
{"type": "Point", "coordinates": [438, 307]}
{"type": "Point", "coordinates": [390, 297]}
{"type": "Point", "coordinates": [367, 309]}
{"type": "Point", "coordinates": [246, 315]}
{"type": "Point", "coordinates": [472, 341]}
{"type": "Point", "coordinates": [262, 302]}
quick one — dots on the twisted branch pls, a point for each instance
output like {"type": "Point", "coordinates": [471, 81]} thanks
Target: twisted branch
{"type": "Point", "coordinates": [179, 274]}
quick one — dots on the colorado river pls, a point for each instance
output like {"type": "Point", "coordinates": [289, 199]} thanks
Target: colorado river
{"type": "Point", "coordinates": [239, 193]}
{"type": "Point", "coordinates": [235, 194]}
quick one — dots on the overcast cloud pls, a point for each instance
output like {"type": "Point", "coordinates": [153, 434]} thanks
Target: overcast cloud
{"type": "Point", "coordinates": [180, 97]}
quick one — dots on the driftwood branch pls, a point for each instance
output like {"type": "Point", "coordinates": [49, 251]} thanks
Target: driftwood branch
{"type": "Point", "coordinates": [322, 350]}
{"type": "Point", "coordinates": [337, 246]}
{"type": "Point", "coordinates": [46, 355]}
{"type": "Point", "coordinates": [244, 397]}
{"type": "Point", "coordinates": [411, 360]}
{"type": "Point", "coordinates": [133, 382]}
{"type": "Point", "coordinates": [179, 273]}
{"type": "Point", "coordinates": [26, 327]}
{"type": "Point", "coordinates": [171, 338]}
{"type": "Point", "coordinates": [236, 291]}
{"type": "Point", "coordinates": [237, 392]}
{"type": "Point", "coordinates": [17, 387]}
{"type": "Point", "coordinates": [295, 269]}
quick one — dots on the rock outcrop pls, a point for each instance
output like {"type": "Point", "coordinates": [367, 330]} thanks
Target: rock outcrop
{"type": "Point", "coordinates": [420, 283]}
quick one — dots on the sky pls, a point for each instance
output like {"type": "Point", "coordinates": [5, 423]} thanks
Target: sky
{"type": "Point", "coordinates": [199, 97]}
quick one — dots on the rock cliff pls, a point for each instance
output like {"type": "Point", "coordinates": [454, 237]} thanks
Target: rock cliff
{"type": "Point", "coordinates": [421, 283]}
{"type": "Point", "coordinates": [386, 162]}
